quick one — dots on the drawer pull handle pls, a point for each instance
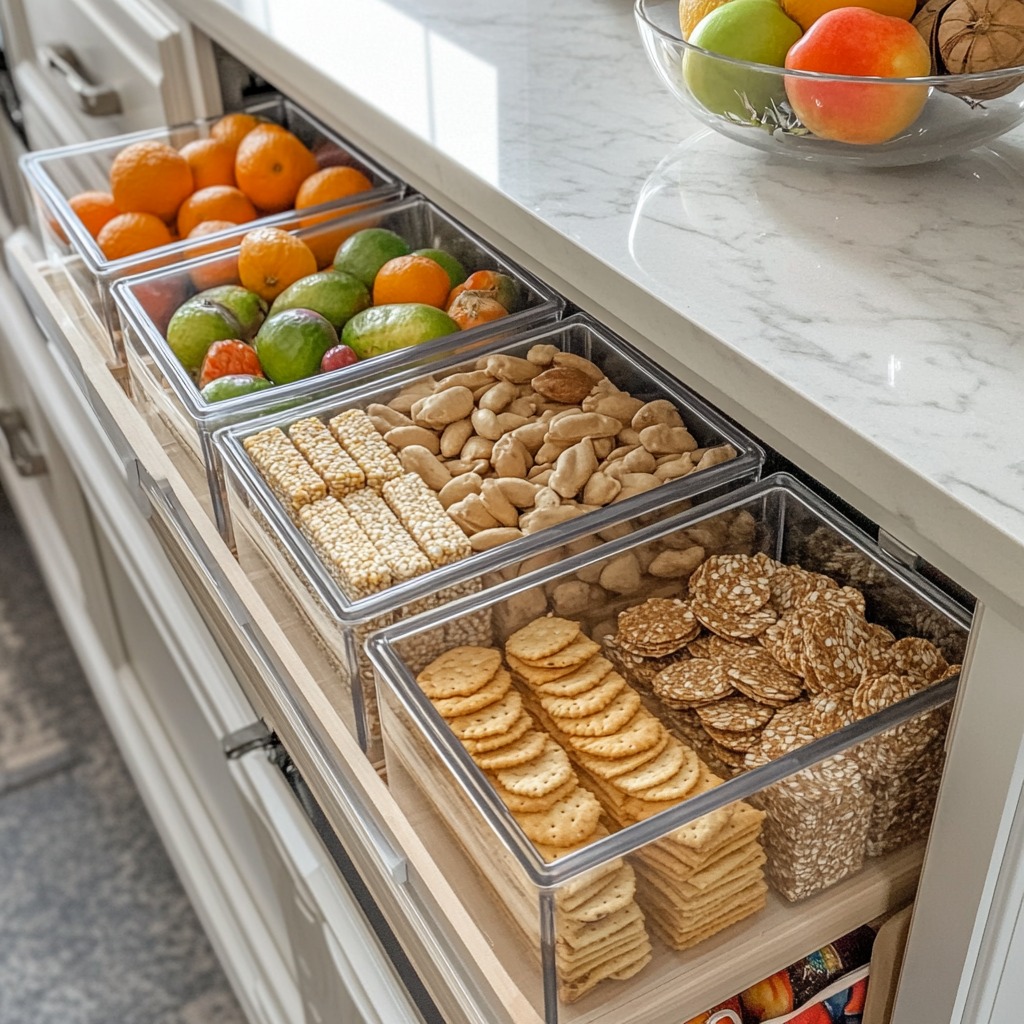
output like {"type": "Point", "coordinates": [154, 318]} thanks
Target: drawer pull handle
{"type": "Point", "coordinates": [27, 459]}
{"type": "Point", "coordinates": [94, 100]}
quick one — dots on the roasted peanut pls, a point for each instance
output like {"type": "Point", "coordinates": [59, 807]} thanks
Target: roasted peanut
{"type": "Point", "coordinates": [573, 468]}
{"type": "Point", "coordinates": [521, 493]}
{"type": "Point", "coordinates": [575, 362]}
{"type": "Point", "coordinates": [639, 460]}
{"type": "Point", "coordinates": [471, 379]}
{"type": "Point", "coordinates": [579, 425]}
{"type": "Point", "coordinates": [546, 498]}
{"type": "Point", "coordinates": [417, 459]}
{"type": "Point", "coordinates": [677, 565]}
{"type": "Point", "coordinates": [675, 468]}
{"type": "Point", "coordinates": [541, 519]}
{"type": "Point", "coordinates": [511, 368]}
{"type": "Point", "coordinates": [661, 439]}
{"type": "Point", "coordinates": [542, 355]}
{"type": "Point", "coordinates": [620, 406]}
{"type": "Point", "coordinates": [716, 456]}
{"type": "Point", "coordinates": [571, 597]}
{"type": "Point", "coordinates": [384, 417]}
{"type": "Point", "coordinates": [601, 489]}
{"type": "Point", "coordinates": [510, 457]}
{"type": "Point", "coordinates": [454, 437]}
{"type": "Point", "coordinates": [531, 435]}
{"type": "Point", "coordinates": [622, 574]}
{"type": "Point", "coordinates": [444, 407]}
{"type": "Point", "coordinates": [661, 410]}
{"type": "Point", "coordinates": [459, 466]}
{"type": "Point", "coordinates": [458, 487]}
{"type": "Point", "coordinates": [485, 423]}
{"type": "Point", "coordinates": [404, 436]}
{"type": "Point", "coordinates": [563, 384]}
{"type": "Point", "coordinates": [497, 397]}
{"type": "Point", "coordinates": [494, 537]}
{"type": "Point", "coordinates": [471, 514]}
{"type": "Point", "coordinates": [477, 447]}
{"type": "Point", "coordinates": [497, 504]}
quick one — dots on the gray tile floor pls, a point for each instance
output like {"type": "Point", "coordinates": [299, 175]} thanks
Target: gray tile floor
{"type": "Point", "coordinates": [95, 927]}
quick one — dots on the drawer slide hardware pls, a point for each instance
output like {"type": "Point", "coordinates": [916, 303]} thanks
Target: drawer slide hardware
{"type": "Point", "coordinates": [27, 459]}
{"type": "Point", "coordinates": [247, 739]}
{"type": "Point", "coordinates": [899, 551]}
{"type": "Point", "coordinates": [94, 100]}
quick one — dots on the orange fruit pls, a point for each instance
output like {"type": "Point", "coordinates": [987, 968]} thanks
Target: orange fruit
{"type": "Point", "coordinates": [129, 233]}
{"type": "Point", "coordinates": [222, 271]}
{"type": "Point", "coordinates": [692, 11]}
{"type": "Point", "coordinates": [330, 185]}
{"type": "Point", "coordinates": [150, 177]}
{"type": "Point", "coordinates": [270, 165]}
{"type": "Point", "coordinates": [94, 209]}
{"type": "Point", "coordinates": [470, 309]}
{"type": "Point", "coordinates": [234, 127]}
{"type": "Point", "coordinates": [498, 286]}
{"type": "Point", "coordinates": [212, 162]}
{"type": "Point", "coordinates": [806, 12]}
{"type": "Point", "coordinates": [412, 279]}
{"type": "Point", "coordinates": [217, 202]}
{"type": "Point", "coordinates": [270, 259]}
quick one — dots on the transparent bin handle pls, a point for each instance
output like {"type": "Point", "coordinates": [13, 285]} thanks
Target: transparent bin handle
{"type": "Point", "coordinates": [393, 862]}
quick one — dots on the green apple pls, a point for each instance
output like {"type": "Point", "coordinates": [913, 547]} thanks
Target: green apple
{"type": "Point", "coordinates": [758, 31]}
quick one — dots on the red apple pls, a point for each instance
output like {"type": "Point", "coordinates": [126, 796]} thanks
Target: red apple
{"type": "Point", "coordinates": [857, 41]}
{"type": "Point", "coordinates": [337, 357]}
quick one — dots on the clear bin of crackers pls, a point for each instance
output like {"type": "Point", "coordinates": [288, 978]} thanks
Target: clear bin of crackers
{"type": "Point", "coordinates": [409, 493]}
{"type": "Point", "coordinates": [169, 396]}
{"type": "Point", "coordinates": [640, 792]}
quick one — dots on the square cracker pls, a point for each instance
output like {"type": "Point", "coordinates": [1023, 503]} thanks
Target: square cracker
{"type": "Point", "coordinates": [618, 969]}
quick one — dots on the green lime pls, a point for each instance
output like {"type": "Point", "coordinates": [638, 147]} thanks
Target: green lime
{"type": "Point", "coordinates": [758, 31]}
{"type": "Point", "coordinates": [455, 270]}
{"type": "Point", "coordinates": [195, 326]}
{"type": "Point", "coordinates": [365, 252]}
{"type": "Point", "coordinates": [395, 325]}
{"type": "Point", "coordinates": [333, 294]}
{"type": "Point", "coordinates": [232, 385]}
{"type": "Point", "coordinates": [290, 344]}
{"type": "Point", "coordinates": [248, 307]}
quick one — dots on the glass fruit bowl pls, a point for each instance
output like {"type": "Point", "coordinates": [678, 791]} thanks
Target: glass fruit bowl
{"type": "Point", "coordinates": [758, 104]}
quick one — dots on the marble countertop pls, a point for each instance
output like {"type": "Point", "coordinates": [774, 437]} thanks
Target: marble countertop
{"type": "Point", "coordinates": [867, 323]}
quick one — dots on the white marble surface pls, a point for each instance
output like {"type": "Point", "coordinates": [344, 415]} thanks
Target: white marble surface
{"type": "Point", "coordinates": [872, 320]}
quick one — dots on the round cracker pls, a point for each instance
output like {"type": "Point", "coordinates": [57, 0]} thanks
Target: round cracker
{"type": "Point", "coordinates": [571, 820]}
{"type": "Point", "coordinates": [589, 702]}
{"type": "Point", "coordinates": [493, 720]}
{"type": "Point", "coordinates": [528, 746]}
{"type": "Point", "coordinates": [542, 637]}
{"type": "Point", "coordinates": [459, 671]}
{"type": "Point", "coordinates": [490, 693]}
{"type": "Point", "coordinates": [549, 770]}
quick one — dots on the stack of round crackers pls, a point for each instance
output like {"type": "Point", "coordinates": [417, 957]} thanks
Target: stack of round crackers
{"type": "Point", "coordinates": [600, 931]}
{"type": "Point", "coordinates": [638, 769]}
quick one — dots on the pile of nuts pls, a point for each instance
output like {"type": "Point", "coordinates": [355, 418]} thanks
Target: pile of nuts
{"type": "Point", "coordinates": [516, 445]}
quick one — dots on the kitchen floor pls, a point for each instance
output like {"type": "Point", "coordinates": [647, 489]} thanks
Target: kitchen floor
{"type": "Point", "coordinates": [95, 927]}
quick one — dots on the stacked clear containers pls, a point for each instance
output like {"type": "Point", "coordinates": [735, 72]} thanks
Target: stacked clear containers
{"type": "Point", "coordinates": [168, 395]}
{"type": "Point", "coordinates": [817, 829]}
{"type": "Point", "coordinates": [264, 533]}
{"type": "Point", "coordinates": [56, 175]}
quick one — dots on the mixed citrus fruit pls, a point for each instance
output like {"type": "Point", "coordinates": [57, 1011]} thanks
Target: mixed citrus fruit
{"type": "Point", "coordinates": [246, 168]}
{"type": "Point", "coordinates": [269, 314]}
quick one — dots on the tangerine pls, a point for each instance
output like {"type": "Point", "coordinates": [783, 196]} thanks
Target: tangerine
{"type": "Point", "coordinates": [270, 165]}
{"type": "Point", "coordinates": [131, 233]}
{"type": "Point", "coordinates": [806, 12]}
{"type": "Point", "coordinates": [329, 185]}
{"type": "Point", "coordinates": [412, 279]}
{"type": "Point", "coordinates": [270, 259]}
{"type": "Point", "coordinates": [471, 309]}
{"type": "Point", "coordinates": [234, 127]}
{"type": "Point", "coordinates": [94, 209]}
{"type": "Point", "coordinates": [228, 356]}
{"type": "Point", "coordinates": [150, 177]}
{"type": "Point", "coordinates": [212, 161]}
{"type": "Point", "coordinates": [216, 202]}
{"type": "Point", "coordinates": [215, 272]}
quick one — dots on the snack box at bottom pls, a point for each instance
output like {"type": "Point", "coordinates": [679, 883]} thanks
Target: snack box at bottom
{"type": "Point", "coordinates": [265, 532]}
{"type": "Point", "coordinates": [56, 175]}
{"type": "Point", "coordinates": [170, 399]}
{"type": "Point", "coordinates": [698, 866]}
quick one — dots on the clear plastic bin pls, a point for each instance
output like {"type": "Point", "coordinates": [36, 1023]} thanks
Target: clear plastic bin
{"type": "Point", "coordinates": [55, 175]}
{"type": "Point", "coordinates": [264, 532]}
{"type": "Point", "coordinates": [165, 392]}
{"type": "Point", "coordinates": [834, 819]}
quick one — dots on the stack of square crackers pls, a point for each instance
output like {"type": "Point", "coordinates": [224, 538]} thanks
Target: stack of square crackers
{"type": "Point", "coordinates": [600, 930]}
{"type": "Point", "coordinates": [763, 657]}
{"type": "Point", "coordinates": [703, 876]}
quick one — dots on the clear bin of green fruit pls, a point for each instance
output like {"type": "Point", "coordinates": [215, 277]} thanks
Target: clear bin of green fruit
{"type": "Point", "coordinates": [226, 355]}
{"type": "Point", "coordinates": [880, 83]}
{"type": "Point", "coordinates": [71, 234]}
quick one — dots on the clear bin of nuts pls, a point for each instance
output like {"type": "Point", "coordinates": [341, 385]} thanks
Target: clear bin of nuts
{"type": "Point", "coordinates": [169, 394]}
{"type": "Point", "coordinates": [745, 750]}
{"type": "Point", "coordinates": [410, 492]}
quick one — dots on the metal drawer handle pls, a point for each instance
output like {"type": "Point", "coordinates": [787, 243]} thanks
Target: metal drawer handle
{"type": "Point", "coordinates": [94, 100]}
{"type": "Point", "coordinates": [27, 459]}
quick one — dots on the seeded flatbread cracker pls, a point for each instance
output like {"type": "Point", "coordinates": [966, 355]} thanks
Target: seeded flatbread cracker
{"type": "Point", "coordinates": [570, 821]}
{"type": "Point", "coordinates": [736, 742]}
{"type": "Point", "coordinates": [549, 770]}
{"type": "Point", "coordinates": [588, 702]}
{"type": "Point", "coordinates": [735, 714]}
{"type": "Point", "coordinates": [692, 682]}
{"type": "Point", "coordinates": [493, 720]}
{"type": "Point", "coordinates": [656, 627]}
{"type": "Point", "coordinates": [529, 745]}
{"type": "Point", "coordinates": [459, 672]}
{"type": "Point", "coordinates": [541, 638]}
{"type": "Point", "coordinates": [490, 693]}
{"type": "Point", "coordinates": [606, 721]}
